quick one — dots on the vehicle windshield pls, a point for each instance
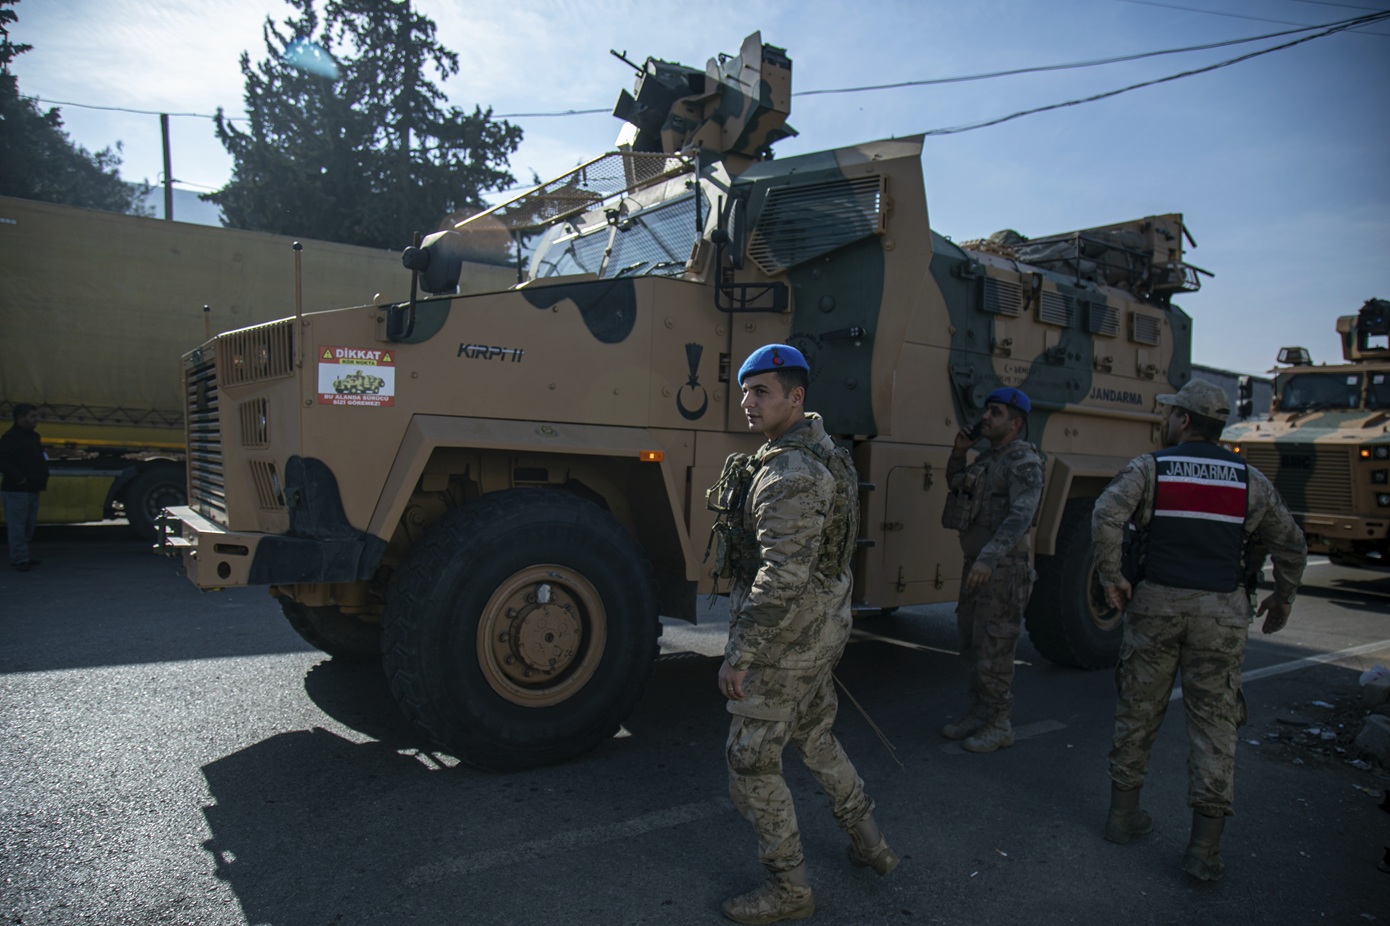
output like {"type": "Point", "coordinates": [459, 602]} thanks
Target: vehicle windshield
{"type": "Point", "coordinates": [1307, 391]}
{"type": "Point", "coordinates": [623, 214]}
{"type": "Point", "coordinates": [1378, 390]}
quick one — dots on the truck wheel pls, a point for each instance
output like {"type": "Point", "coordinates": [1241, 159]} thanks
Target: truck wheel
{"type": "Point", "coordinates": [522, 630]}
{"type": "Point", "coordinates": [1069, 620]}
{"type": "Point", "coordinates": [162, 485]}
{"type": "Point", "coordinates": [342, 636]}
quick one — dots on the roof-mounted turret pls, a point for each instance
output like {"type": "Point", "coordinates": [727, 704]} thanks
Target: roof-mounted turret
{"type": "Point", "coordinates": [736, 108]}
{"type": "Point", "coordinates": [1373, 321]}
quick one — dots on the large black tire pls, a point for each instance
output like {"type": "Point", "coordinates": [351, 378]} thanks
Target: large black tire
{"type": "Point", "coordinates": [343, 636]}
{"type": "Point", "coordinates": [159, 486]}
{"type": "Point", "coordinates": [1069, 620]}
{"type": "Point", "coordinates": [522, 630]}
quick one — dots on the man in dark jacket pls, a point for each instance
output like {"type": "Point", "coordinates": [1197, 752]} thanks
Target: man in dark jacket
{"type": "Point", "coordinates": [24, 469]}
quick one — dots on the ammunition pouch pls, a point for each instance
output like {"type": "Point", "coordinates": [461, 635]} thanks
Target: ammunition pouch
{"type": "Point", "coordinates": [734, 546]}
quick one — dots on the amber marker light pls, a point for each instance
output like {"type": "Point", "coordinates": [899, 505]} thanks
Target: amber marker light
{"type": "Point", "coordinates": [652, 456]}
{"type": "Point", "coordinates": [1365, 453]}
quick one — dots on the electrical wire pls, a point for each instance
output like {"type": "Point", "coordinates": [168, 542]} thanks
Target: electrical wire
{"type": "Point", "coordinates": [1149, 83]}
{"type": "Point", "coordinates": [1262, 19]}
{"type": "Point", "coordinates": [1095, 62]}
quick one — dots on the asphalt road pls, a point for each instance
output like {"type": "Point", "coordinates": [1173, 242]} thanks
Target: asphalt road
{"type": "Point", "coordinates": [178, 757]}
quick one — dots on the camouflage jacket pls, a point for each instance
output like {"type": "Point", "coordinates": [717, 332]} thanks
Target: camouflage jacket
{"type": "Point", "coordinates": [993, 501]}
{"type": "Point", "coordinates": [1267, 519]}
{"type": "Point", "coordinates": [793, 614]}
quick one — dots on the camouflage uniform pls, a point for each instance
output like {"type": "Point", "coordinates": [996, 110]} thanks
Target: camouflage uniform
{"type": "Point", "coordinates": [1203, 632]}
{"type": "Point", "coordinates": [789, 624]}
{"type": "Point", "coordinates": [992, 505]}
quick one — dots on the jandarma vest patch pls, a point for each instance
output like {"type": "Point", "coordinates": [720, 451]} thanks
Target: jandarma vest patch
{"type": "Point", "coordinates": [1205, 489]}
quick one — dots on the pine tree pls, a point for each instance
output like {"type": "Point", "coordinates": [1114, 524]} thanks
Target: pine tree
{"type": "Point", "coordinates": [37, 158]}
{"type": "Point", "coordinates": [348, 139]}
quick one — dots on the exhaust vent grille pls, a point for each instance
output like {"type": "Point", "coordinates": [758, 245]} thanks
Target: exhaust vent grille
{"type": "Point", "coordinates": [798, 223]}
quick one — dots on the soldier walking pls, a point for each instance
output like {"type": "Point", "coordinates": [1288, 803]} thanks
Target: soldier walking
{"type": "Point", "coordinates": [992, 503]}
{"type": "Point", "coordinates": [793, 522]}
{"type": "Point", "coordinates": [1197, 507]}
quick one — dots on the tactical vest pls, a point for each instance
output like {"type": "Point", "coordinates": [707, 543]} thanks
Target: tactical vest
{"type": "Point", "coordinates": [735, 541]}
{"type": "Point", "coordinates": [1196, 535]}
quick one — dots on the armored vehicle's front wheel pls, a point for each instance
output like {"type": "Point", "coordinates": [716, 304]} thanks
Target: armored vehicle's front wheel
{"type": "Point", "coordinates": [342, 636]}
{"type": "Point", "coordinates": [1069, 620]}
{"type": "Point", "coordinates": [522, 629]}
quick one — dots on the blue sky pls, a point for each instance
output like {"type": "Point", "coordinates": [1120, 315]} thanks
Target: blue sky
{"type": "Point", "coordinates": [1279, 163]}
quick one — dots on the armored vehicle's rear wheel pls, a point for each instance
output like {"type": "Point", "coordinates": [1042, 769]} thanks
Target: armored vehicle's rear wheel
{"type": "Point", "coordinates": [522, 629]}
{"type": "Point", "coordinates": [340, 635]}
{"type": "Point", "coordinates": [161, 485]}
{"type": "Point", "coordinates": [1069, 620]}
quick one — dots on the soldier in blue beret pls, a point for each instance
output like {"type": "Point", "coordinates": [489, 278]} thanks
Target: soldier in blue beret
{"type": "Point", "coordinates": [795, 525]}
{"type": "Point", "coordinates": [770, 359]}
{"type": "Point", "coordinates": [991, 503]}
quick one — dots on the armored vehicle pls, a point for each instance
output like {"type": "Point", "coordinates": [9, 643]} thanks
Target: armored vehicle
{"type": "Point", "coordinates": [504, 532]}
{"type": "Point", "coordinates": [1326, 445]}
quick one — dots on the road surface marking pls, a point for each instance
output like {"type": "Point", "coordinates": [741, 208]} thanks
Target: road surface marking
{"type": "Point", "coordinates": [1037, 728]}
{"type": "Point", "coordinates": [1303, 663]}
{"type": "Point", "coordinates": [526, 853]}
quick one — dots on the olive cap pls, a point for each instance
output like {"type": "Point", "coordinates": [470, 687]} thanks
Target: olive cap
{"type": "Point", "coordinates": [1201, 398]}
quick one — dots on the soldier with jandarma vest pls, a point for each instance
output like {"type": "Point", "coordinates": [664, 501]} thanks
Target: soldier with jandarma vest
{"type": "Point", "coordinates": [1198, 511]}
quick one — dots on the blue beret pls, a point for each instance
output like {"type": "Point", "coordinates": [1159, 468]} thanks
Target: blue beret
{"type": "Point", "coordinates": [1008, 395]}
{"type": "Point", "coordinates": [773, 357]}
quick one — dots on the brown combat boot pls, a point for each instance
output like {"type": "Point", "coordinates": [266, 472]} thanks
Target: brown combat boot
{"type": "Point", "coordinates": [786, 896]}
{"type": "Point", "coordinates": [996, 734]}
{"type": "Point", "coordinates": [868, 848]}
{"type": "Point", "coordinates": [1203, 857]}
{"type": "Point", "coordinates": [1126, 820]}
{"type": "Point", "coordinates": [974, 719]}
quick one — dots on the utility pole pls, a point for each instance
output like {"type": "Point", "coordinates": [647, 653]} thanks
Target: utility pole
{"type": "Point", "coordinates": [168, 170]}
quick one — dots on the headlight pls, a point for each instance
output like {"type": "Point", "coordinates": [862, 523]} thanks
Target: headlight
{"type": "Point", "coordinates": [1381, 452]}
{"type": "Point", "coordinates": [1380, 477]}
{"type": "Point", "coordinates": [1383, 500]}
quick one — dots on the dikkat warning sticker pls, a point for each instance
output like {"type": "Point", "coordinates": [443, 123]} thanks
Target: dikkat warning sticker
{"type": "Point", "coordinates": [356, 376]}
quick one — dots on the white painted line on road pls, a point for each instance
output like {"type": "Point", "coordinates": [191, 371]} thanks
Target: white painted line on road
{"type": "Point", "coordinates": [525, 854]}
{"type": "Point", "coordinates": [1020, 733]}
{"type": "Point", "coordinates": [1297, 664]}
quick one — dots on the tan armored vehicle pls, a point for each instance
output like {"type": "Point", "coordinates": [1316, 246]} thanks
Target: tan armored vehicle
{"type": "Point", "coordinates": [1326, 445]}
{"type": "Point", "coordinates": [504, 532]}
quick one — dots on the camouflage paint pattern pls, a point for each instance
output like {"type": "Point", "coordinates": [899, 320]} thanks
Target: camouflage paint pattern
{"type": "Point", "coordinates": [788, 628]}
{"type": "Point", "coordinates": [1201, 633]}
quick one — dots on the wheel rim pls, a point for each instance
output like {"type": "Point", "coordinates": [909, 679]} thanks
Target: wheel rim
{"type": "Point", "coordinates": [541, 635]}
{"type": "Point", "coordinates": [1102, 615]}
{"type": "Point", "coordinates": [169, 496]}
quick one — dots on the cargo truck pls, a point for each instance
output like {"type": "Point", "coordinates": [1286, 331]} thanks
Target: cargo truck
{"type": "Point", "coordinates": [97, 310]}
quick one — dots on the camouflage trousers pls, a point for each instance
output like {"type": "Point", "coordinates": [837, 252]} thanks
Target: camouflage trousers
{"type": "Point", "coordinates": [795, 706]}
{"type": "Point", "coordinates": [1208, 645]}
{"type": "Point", "coordinates": [989, 621]}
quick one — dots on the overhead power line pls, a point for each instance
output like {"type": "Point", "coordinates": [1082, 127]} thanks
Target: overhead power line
{"type": "Point", "coordinates": [1261, 19]}
{"type": "Point", "coordinates": [1338, 26]}
{"type": "Point", "coordinates": [1377, 17]}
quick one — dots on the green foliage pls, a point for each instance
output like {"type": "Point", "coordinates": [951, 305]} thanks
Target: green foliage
{"type": "Point", "coordinates": [37, 158]}
{"type": "Point", "coordinates": [368, 157]}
